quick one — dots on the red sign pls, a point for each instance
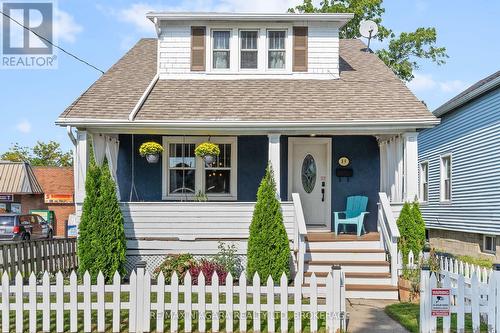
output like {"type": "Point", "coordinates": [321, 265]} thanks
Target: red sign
{"type": "Point", "coordinates": [440, 302]}
{"type": "Point", "coordinates": [58, 198]}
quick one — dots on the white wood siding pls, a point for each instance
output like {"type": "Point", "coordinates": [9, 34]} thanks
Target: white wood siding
{"type": "Point", "coordinates": [323, 48]}
{"type": "Point", "coordinates": [174, 227]}
{"type": "Point", "coordinates": [471, 135]}
{"type": "Point", "coordinates": [174, 50]}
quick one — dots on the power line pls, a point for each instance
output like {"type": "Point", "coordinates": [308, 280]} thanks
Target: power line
{"type": "Point", "coordinates": [50, 42]}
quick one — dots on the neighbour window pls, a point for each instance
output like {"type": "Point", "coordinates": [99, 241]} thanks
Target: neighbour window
{"type": "Point", "coordinates": [221, 53]}
{"type": "Point", "coordinates": [446, 178]}
{"type": "Point", "coordinates": [276, 49]}
{"type": "Point", "coordinates": [182, 168]}
{"type": "Point", "coordinates": [248, 50]}
{"type": "Point", "coordinates": [185, 175]}
{"type": "Point", "coordinates": [489, 243]}
{"type": "Point", "coordinates": [424, 181]}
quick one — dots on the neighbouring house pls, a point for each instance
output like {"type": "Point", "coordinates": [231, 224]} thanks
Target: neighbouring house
{"type": "Point", "coordinates": [330, 117]}
{"type": "Point", "coordinates": [460, 173]}
{"type": "Point", "coordinates": [58, 188]}
{"type": "Point", "coordinates": [24, 188]}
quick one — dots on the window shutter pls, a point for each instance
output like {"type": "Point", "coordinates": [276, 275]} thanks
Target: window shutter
{"type": "Point", "coordinates": [300, 49]}
{"type": "Point", "coordinates": [198, 48]}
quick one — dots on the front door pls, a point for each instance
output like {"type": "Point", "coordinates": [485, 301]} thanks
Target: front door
{"type": "Point", "coordinates": [309, 173]}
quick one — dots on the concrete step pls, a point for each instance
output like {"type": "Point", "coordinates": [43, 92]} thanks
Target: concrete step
{"type": "Point", "coordinates": [367, 291]}
{"type": "Point", "coordinates": [345, 254]}
{"type": "Point", "coordinates": [354, 278]}
{"type": "Point", "coordinates": [350, 266]}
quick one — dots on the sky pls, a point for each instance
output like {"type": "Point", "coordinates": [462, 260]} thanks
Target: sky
{"type": "Point", "coordinates": [101, 32]}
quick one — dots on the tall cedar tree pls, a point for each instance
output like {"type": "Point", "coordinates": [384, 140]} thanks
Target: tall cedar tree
{"type": "Point", "coordinates": [88, 229]}
{"type": "Point", "coordinates": [419, 226]}
{"type": "Point", "coordinates": [268, 249]}
{"type": "Point", "coordinates": [110, 254]}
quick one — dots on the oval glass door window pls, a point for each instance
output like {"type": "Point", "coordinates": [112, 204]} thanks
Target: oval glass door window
{"type": "Point", "coordinates": [308, 173]}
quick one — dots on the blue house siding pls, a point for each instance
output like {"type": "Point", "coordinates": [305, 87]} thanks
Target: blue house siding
{"type": "Point", "coordinates": [252, 162]}
{"type": "Point", "coordinates": [471, 134]}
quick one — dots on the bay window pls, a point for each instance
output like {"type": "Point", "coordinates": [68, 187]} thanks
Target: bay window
{"type": "Point", "coordinates": [276, 49]}
{"type": "Point", "coordinates": [185, 175]}
{"type": "Point", "coordinates": [221, 52]}
{"type": "Point", "coordinates": [248, 52]}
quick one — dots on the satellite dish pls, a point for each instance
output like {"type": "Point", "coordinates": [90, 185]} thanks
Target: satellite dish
{"type": "Point", "coordinates": [368, 29]}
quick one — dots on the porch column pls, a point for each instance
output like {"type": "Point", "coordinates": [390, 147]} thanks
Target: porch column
{"type": "Point", "coordinates": [410, 165]}
{"type": "Point", "coordinates": [80, 167]}
{"type": "Point", "coordinates": [274, 158]}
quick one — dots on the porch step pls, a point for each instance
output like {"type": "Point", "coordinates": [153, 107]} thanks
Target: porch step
{"type": "Point", "coordinates": [348, 266]}
{"type": "Point", "coordinates": [367, 291]}
{"type": "Point", "coordinates": [353, 278]}
{"type": "Point", "coordinates": [345, 254]}
{"type": "Point", "coordinates": [330, 241]}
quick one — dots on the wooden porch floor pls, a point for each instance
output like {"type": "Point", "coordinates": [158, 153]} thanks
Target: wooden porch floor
{"type": "Point", "coordinates": [331, 237]}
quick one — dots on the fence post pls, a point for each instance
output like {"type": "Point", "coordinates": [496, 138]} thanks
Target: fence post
{"type": "Point", "coordinates": [139, 321]}
{"type": "Point", "coordinates": [337, 294]}
{"type": "Point", "coordinates": [496, 294]}
{"type": "Point", "coordinates": [424, 300]}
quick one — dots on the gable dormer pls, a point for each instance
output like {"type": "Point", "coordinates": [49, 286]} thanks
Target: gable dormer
{"type": "Point", "coordinates": [232, 45]}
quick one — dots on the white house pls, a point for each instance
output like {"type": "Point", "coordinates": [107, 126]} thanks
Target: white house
{"type": "Point", "coordinates": [265, 87]}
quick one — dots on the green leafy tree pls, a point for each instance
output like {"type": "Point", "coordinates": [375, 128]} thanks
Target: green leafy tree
{"type": "Point", "coordinates": [268, 248]}
{"type": "Point", "coordinates": [110, 253]}
{"type": "Point", "coordinates": [42, 154]}
{"type": "Point", "coordinates": [88, 228]}
{"type": "Point", "coordinates": [403, 51]}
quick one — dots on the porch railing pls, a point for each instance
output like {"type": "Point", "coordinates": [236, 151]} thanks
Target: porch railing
{"type": "Point", "coordinates": [390, 234]}
{"type": "Point", "coordinates": [299, 235]}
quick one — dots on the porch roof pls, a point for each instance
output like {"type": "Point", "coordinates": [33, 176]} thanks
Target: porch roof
{"type": "Point", "coordinates": [366, 91]}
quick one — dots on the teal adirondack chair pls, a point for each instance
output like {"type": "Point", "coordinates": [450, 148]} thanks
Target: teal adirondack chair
{"type": "Point", "coordinates": [354, 213]}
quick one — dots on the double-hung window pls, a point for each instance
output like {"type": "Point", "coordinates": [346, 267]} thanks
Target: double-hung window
{"type": "Point", "coordinates": [489, 243]}
{"type": "Point", "coordinates": [185, 175]}
{"type": "Point", "coordinates": [446, 178]}
{"type": "Point", "coordinates": [276, 49]}
{"type": "Point", "coordinates": [221, 50]}
{"type": "Point", "coordinates": [424, 181]}
{"type": "Point", "coordinates": [248, 49]}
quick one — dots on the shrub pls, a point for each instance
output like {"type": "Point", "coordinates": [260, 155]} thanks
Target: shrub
{"type": "Point", "coordinates": [268, 247]}
{"type": "Point", "coordinates": [179, 263]}
{"type": "Point", "coordinates": [111, 250]}
{"type": "Point", "coordinates": [207, 148]}
{"type": "Point", "coordinates": [150, 148]}
{"type": "Point", "coordinates": [227, 258]}
{"type": "Point", "coordinates": [419, 227]}
{"type": "Point", "coordinates": [88, 229]}
{"type": "Point", "coordinates": [412, 230]}
{"type": "Point", "coordinates": [208, 267]}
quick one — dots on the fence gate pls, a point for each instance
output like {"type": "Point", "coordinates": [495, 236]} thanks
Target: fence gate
{"type": "Point", "coordinates": [469, 296]}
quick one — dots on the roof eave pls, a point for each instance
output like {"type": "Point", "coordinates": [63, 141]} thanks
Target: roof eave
{"type": "Point", "coordinates": [449, 106]}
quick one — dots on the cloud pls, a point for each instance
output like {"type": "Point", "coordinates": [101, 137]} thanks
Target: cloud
{"type": "Point", "coordinates": [65, 27]}
{"type": "Point", "coordinates": [24, 126]}
{"type": "Point", "coordinates": [426, 82]}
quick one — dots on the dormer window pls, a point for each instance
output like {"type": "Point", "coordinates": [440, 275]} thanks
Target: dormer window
{"type": "Point", "coordinates": [221, 51]}
{"type": "Point", "coordinates": [248, 52]}
{"type": "Point", "coordinates": [276, 49]}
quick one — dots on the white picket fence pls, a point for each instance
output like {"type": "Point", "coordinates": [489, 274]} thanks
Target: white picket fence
{"type": "Point", "coordinates": [148, 304]}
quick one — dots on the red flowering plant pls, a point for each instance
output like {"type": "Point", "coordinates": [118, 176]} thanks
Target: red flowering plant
{"type": "Point", "coordinates": [208, 268]}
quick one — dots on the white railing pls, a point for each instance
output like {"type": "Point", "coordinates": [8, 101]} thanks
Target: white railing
{"type": "Point", "coordinates": [143, 303]}
{"type": "Point", "coordinates": [479, 298]}
{"type": "Point", "coordinates": [299, 236]}
{"type": "Point", "coordinates": [390, 234]}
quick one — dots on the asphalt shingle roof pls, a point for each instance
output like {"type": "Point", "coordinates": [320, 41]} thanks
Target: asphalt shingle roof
{"type": "Point", "coordinates": [366, 90]}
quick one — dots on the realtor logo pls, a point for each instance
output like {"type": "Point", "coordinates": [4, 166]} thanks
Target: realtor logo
{"type": "Point", "coordinates": [27, 28]}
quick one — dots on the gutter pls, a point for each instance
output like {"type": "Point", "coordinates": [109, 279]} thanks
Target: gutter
{"type": "Point", "coordinates": [447, 107]}
{"type": "Point", "coordinates": [143, 98]}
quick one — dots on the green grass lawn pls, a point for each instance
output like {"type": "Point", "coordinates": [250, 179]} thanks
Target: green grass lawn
{"type": "Point", "coordinates": [408, 314]}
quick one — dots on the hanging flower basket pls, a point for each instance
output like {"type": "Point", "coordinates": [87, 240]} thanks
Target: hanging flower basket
{"type": "Point", "coordinates": [151, 151]}
{"type": "Point", "coordinates": [208, 151]}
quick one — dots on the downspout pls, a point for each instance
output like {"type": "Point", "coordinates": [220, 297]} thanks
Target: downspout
{"type": "Point", "coordinates": [143, 98]}
{"type": "Point", "coordinates": [71, 135]}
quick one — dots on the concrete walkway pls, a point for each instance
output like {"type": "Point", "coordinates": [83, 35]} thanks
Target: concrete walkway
{"type": "Point", "coordinates": [367, 315]}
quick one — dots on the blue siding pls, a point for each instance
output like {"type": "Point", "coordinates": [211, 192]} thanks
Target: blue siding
{"type": "Point", "coordinates": [252, 162]}
{"type": "Point", "coordinates": [471, 134]}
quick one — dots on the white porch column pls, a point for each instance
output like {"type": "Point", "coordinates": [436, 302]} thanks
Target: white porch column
{"type": "Point", "coordinates": [410, 165]}
{"type": "Point", "coordinates": [274, 158]}
{"type": "Point", "coordinates": [80, 167]}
